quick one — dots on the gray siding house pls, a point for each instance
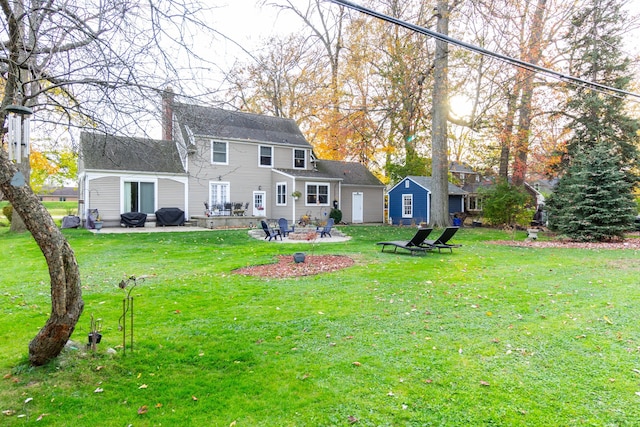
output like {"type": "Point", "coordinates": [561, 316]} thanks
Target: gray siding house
{"type": "Point", "coordinates": [219, 158]}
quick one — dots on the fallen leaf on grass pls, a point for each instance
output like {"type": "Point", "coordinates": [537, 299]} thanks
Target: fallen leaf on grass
{"type": "Point", "coordinates": [158, 405]}
{"type": "Point", "coordinates": [7, 376]}
{"type": "Point", "coordinates": [143, 386]}
{"type": "Point", "coordinates": [8, 412]}
{"type": "Point", "coordinates": [484, 383]}
{"type": "Point", "coordinates": [143, 410]}
{"type": "Point", "coordinates": [194, 398]}
{"type": "Point", "coordinates": [606, 319]}
{"type": "Point", "coordinates": [98, 390]}
{"type": "Point", "coordinates": [357, 364]}
{"type": "Point", "coordinates": [41, 417]}
{"type": "Point", "coordinates": [352, 419]}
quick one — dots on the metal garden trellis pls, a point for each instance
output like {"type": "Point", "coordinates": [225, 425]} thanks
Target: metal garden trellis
{"type": "Point", "coordinates": [127, 307]}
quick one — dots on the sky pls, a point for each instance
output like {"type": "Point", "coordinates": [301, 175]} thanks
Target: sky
{"type": "Point", "coordinates": [249, 24]}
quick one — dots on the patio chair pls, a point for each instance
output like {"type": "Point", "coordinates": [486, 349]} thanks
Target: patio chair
{"type": "Point", "coordinates": [442, 242]}
{"type": "Point", "coordinates": [415, 245]}
{"type": "Point", "coordinates": [270, 232]}
{"type": "Point", "coordinates": [283, 224]}
{"type": "Point", "coordinates": [326, 230]}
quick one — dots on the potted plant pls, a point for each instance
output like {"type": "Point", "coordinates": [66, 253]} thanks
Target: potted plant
{"type": "Point", "coordinates": [296, 195]}
{"type": "Point", "coordinates": [98, 223]}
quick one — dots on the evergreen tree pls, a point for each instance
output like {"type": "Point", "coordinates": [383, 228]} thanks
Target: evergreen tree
{"type": "Point", "coordinates": [593, 200]}
{"type": "Point", "coordinates": [596, 54]}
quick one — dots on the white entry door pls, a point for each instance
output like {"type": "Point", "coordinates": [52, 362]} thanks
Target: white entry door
{"type": "Point", "coordinates": [259, 203]}
{"type": "Point", "coordinates": [357, 210]}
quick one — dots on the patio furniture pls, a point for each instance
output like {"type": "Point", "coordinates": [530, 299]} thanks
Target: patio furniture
{"type": "Point", "coordinates": [270, 232]}
{"type": "Point", "coordinates": [326, 230]}
{"type": "Point", "coordinates": [283, 224]}
{"type": "Point", "coordinates": [238, 210]}
{"type": "Point", "coordinates": [169, 216]}
{"type": "Point", "coordinates": [133, 219]}
{"type": "Point", "coordinates": [442, 242]}
{"type": "Point", "coordinates": [415, 245]}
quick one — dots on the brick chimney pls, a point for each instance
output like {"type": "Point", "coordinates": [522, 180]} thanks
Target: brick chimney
{"type": "Point", "coordinates": [167, 114]}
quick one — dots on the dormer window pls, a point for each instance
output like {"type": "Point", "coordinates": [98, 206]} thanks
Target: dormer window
{"type": "Point", "coordinates": [266, 156]}
{"type": "Point", "coordinates": [299, 159]}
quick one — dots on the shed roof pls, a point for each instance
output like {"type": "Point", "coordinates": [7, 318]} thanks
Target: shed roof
{"type": "Point", "coordinates": [108, 152]}
{"type": "Point", "coordinates": [427, 182]}
{"type": "Point", "coordinates": [220, 123]}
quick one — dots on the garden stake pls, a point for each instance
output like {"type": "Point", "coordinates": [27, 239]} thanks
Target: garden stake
{"type": "Point", "coordinates": [127, 306]}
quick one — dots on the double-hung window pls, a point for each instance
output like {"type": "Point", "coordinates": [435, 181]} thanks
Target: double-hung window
{"type": "Point", "coordinates": [407, 206]}
{"type": "Point", "coordinates": [318, 194]}
{"type": "Point", "coordinates": [139, 196]}
{"type": "Point", "coordinates": [219, 152]}
{"type": "Point", "coordinates": [281, 193]}
{"type": "Point", "coordinates": [299, 159]}
{"type": "Point", "coordinates": [266, 156]}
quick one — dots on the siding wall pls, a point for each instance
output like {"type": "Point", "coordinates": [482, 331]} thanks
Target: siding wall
{"type": "Point", "coordinates": [104, 195]}
{"type": "Point", "coordinates": [171, 194]}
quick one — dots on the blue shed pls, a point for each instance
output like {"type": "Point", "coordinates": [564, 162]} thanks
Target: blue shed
{"type": "Point", "coordinates": [410, 200]}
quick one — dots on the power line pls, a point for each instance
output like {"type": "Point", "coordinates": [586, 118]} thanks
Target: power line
{"type": "Point", "coordinates": [514, 61]}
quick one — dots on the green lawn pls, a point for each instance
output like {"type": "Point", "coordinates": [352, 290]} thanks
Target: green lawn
{"type": "Point", "coordinates": [489, 335]}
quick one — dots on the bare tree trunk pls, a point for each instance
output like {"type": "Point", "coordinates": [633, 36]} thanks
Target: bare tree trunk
{"type": "Point", "coordinates": [66, 295]}
{"type": "Point", "coordinates": [506, 135]}
{"type": "Point", "coordinates": [533, 55]}
{"type": "Point", "coordinates": [439, 146]}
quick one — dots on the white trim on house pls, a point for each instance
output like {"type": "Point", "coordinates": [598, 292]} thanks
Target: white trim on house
{"type": "Point", "coordinates": [87, 176]}
{"type": "Point", "coordinates": [271, 156]}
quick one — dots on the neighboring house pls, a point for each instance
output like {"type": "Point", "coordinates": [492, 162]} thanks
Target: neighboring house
{"type": "Point", "coordinates": [470, 181]}
{"type": "Point", "coordinates": [410, 200]}
{"type": "Point", "coordinates": [216, 157]}
{"type": "Point", "coordinates": [58, 194]}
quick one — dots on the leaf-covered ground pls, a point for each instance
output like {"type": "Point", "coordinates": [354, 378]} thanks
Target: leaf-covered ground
{"type": "Point", "coordinates": [287, 267]}
{"type": "Point", "coordinates": [626, 244]}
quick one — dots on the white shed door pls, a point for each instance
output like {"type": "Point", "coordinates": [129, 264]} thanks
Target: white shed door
{"type": "Point", "coordinates": [357, 210]}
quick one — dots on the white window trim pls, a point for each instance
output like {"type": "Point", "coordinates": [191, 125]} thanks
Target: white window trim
{"type": "Point", "coordinates": [285, 195]}
{"type": "Point", "coordinates": [318, 184]}
{"type": "Point", "coordinates": [294, 158]}
{"type": "Point", "coordinates": [133, 178]}
{"type": "Point", "coordinates": [226, 143]}
{"type": "Point", "coordinates": [260, 155]}
{"type": "Point", "coordinates": [225, 183]}
{"type": "Point", "coordinates": [410, 198]}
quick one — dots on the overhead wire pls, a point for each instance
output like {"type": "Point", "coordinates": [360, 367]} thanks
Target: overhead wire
{"type": "Point", "coordinates": [504, 58]}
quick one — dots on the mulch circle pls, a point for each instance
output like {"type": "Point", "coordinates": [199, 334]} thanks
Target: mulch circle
{"type": "Point", "coordinates": [285, 267]}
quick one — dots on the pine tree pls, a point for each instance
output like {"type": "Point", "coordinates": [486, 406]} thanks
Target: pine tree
{"type": "Point", "coordinates": [593, 201]}
{"type": "Point", "coordinates": [595, 43]}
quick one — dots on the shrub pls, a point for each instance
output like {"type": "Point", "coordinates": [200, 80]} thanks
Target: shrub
{"type": "Point", "coordinates": [8, 212]}
{"type": "Point", "coordinates": [336, 214]}
{"type": "Point", "coordinates": [505, 204]}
